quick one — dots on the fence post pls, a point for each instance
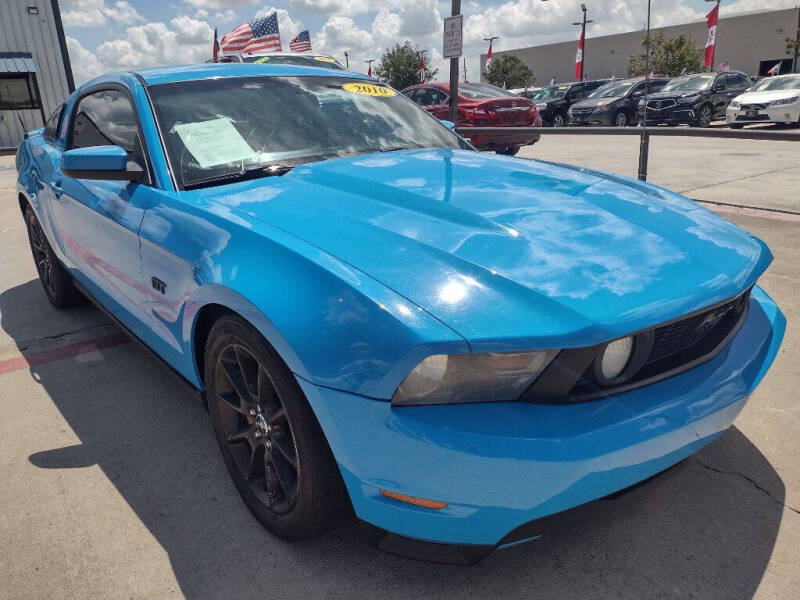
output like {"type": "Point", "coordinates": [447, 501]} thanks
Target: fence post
{"type": "Point", "coordinates": [644, 149]}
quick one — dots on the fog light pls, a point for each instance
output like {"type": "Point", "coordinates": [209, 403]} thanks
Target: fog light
{"type": "Point", "coordinates": [615, 358]}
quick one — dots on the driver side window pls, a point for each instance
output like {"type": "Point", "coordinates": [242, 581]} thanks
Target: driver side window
{"type": "Point", "coordinates": [107, 118]}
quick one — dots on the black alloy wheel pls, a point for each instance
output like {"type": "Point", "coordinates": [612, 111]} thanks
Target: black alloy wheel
{"type": "Point", "coordinates": [559, 120]}
{"type": "Point", "coordinates": [621, 119]}
{"type": "Point", "coordinates": [56, 282]}
{"type": "Point", "coordinates": [270, 440]}
{"type": "Point", "coordinates": [257, 428]}
{"type": "Point", "coordinates": [704, 116]}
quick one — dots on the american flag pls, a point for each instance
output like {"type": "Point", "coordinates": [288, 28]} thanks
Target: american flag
{"type": "Point", "coordinates": [254, 36]}
{"type": "Point", "coordinates": [302, 43]}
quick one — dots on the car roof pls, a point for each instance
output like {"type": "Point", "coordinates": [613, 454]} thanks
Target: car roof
{"type": "Point", "coordinates": [171, 74]}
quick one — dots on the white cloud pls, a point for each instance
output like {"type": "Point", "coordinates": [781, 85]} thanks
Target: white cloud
{"type": "Point", "coordinates": [333, 7]}
{"type": "Point", "coordinates": [84, 64]}
{"type": "Point", "coordinates": [219, 4]}
{"type": "Point", "coordinates": [94, 13]}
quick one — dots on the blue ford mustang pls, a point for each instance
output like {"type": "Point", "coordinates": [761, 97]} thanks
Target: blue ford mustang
{"type": "Point", "coordinates": [458, 346]}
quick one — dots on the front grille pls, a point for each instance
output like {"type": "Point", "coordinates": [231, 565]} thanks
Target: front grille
{"type": "Point", "coordinates": [658, 353]}
{"type": "Point", "coordinates": [682, 335]}
{"type": "Point", "coordinates": [660, 104]}
{"type": "Point", "coordinates": [753, 106]}
{"type": "Point", "coordinates": [582, 111]}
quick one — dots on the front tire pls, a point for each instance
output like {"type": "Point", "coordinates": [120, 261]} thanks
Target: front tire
{"type": "Point", "coordinates": [737, 125]}
{"type": "Point", "coordinates": [621, 119]}
{"type": "Point", "coordinates": [559, 120]}
{"type": "Point", "coordinates": [704, 116]}
{"type": "Point", "coordinates": [56, 282]}
{"type": "Point", "coordinates": [271, 443]}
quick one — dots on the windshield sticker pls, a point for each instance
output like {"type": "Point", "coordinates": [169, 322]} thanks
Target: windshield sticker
{"type": "Point", "coordinates": [327, 59]}
{"type": "Point", "coordinates": [215, 142]}
{"type": "Point", "coordinates": [368, 89]}
{"type": "Point", "coordinates": [263, 59]}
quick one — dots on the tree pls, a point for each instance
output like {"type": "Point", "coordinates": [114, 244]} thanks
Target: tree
{"type": "Point", "coordinates": [668, 56]}
{"type": "Point", "coordinates": [399, 66]}
{"type": "Point", "coordinates": [509, 71]}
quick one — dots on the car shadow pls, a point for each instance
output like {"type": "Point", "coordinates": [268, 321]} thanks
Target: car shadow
{"type": "Point", "coordinates": [705, 529]}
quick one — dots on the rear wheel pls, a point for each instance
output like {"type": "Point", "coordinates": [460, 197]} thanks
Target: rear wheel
{"type": "Point", "coordinates": [271, 443]}
{"type": "Point", "coordinates": [56, 282]}
{"type": "Point", "coordinates": [508, 150]}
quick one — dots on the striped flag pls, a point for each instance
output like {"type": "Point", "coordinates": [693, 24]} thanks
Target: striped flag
{"type": "Point", "coordinates": [258, 35]}
{"type": "Point", "coordinates": [302, 43]}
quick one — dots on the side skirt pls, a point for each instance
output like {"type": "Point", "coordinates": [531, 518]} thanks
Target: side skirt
{"type": "Point", "coordinates": [197, 394]}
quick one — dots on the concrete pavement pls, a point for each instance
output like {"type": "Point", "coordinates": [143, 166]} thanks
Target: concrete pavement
{"type": "Point", "coordinates": [111, 484]}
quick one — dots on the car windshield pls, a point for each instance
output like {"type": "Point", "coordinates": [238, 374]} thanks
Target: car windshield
{"type": "Point", "coordinates": [552, 92]}
{"type": "Point", "coordinates": [482, 90]}
{"type": "Point", "coordinates": [788, 82]}
{"type": "Point", "coordinates": [612, 90]}
{"type": "Point", "coordinates": [689, 83]}
{"type": "Point", "coordinates": [311, 60]}
{"type": "Point", "coordinates": [219, 129]}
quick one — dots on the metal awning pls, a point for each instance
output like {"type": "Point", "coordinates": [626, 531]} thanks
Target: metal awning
{"type": "Point", "coordinates": [17, 62]}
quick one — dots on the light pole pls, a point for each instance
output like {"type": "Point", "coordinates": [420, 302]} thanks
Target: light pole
{"type": "Point", "coordinates": [644, 140]}
{"type": "Point", "coordinates": [453, 112]}
{"type": "Point", "coordinates": [583, 36]}
{"type": "Point", "coordinates": [347, 60]}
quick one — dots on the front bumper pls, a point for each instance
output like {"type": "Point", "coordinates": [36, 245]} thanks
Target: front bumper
{"type": "Point", "coordinates": [672, 116]}
{"type": "Point", "coordinates": [777, 114]}
{"type": "Point", "coordinates": [500, 466]}
{"type": "Point", "coordinates": [604, 119]}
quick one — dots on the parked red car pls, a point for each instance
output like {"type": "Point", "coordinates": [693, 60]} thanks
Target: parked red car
{"type": "Point", "coordinates": [482, 105]}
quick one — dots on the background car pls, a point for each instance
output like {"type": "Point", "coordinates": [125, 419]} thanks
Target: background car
{"type": "Point", "coordinates": [770, 100]}
{"type": "Point", "coordinates": [554, 101]}
{"type": "Point", "coordinates": [482, 105]}
{"type": "Point", "coordinates": [285, 58]}
{"type": "Point", "coordinates": [613, 103]}
{"type": "Point", "coordinates": [527, 92]}
{"type": "Point", "coordinates": [695, 99]}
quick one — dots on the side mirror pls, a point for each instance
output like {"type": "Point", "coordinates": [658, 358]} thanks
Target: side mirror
{"type": "Point", "coordinates": [449, 124]}
{"type": "Point", "coordinates": [101, 162]}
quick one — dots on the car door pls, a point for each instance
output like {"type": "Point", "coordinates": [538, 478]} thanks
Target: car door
{"type": "Point", "coordinates": [719, 94]}
{"type": "Point", "coordinates": [98, 220]}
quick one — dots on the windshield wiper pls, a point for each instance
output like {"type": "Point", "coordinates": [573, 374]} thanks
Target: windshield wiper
{"type": "Point", "coordinates": [271, 170]}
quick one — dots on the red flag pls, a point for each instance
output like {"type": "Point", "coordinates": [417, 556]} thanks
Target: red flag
{"type": "Point", "coordinates": [579, 58]}
{"type": "Point", "coordinates": [421, 68]}
{"type": "Point", "coordinates": [711, 23]}
{"type": "Point", "coordinates": [489, 55]}
{"type": "Point", "coordinates": [216, 46]}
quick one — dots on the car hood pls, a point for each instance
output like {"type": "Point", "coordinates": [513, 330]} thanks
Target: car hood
{"type": "Point", "coordinates": [766, 97]}
{"type": "Point", "coordinates": [511, 253]}
{"type": "Point", "coordinates": [594, 102]}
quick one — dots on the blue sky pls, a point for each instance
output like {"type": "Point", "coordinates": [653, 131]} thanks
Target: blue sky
{"type": "Point", "coordinates": [123, 34]}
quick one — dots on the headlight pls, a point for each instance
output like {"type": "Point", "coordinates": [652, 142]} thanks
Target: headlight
{"type": "Point", "coordinates": [615, 358]}
{"type": "Point", "coordinates": [641, 103]}
{"type": "Point", "coordinates": [734, 104]}
{"type": "Point", "coordinates": [457, 378]}
{"type": "Point", "coordinates": [688, 99]}
{"type": "Point", "coordinates": [783, 101]}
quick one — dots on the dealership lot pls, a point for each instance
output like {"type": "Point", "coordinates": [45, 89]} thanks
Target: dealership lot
{"type": "Point", "coordinates": [113, 485]}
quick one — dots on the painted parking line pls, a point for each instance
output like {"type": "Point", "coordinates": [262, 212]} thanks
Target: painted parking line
{"type": "Point", "coordinates": [69, 351]}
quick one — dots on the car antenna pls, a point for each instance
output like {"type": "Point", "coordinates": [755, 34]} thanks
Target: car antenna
{"type": "Point", "coordinates": [21, 124]}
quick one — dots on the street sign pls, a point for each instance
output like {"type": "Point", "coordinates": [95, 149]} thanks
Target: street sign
{"type": "Point", "coordinates": [452, 45]}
